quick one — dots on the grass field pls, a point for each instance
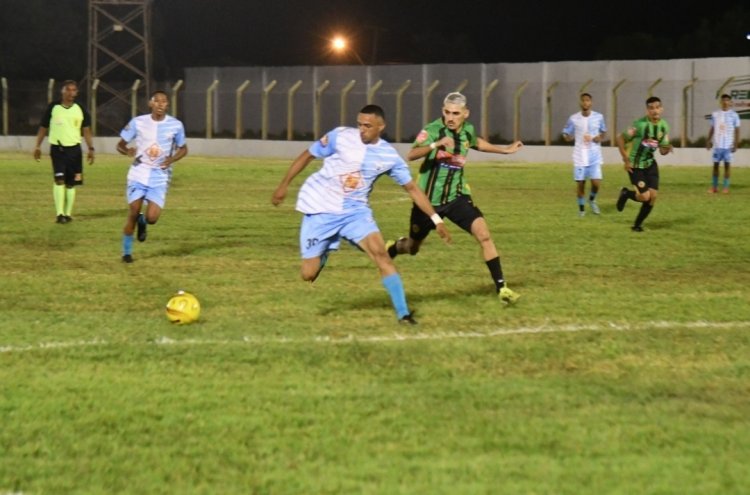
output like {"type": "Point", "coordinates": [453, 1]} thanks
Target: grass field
{"type": "Point", "coordinates": [624, 368]}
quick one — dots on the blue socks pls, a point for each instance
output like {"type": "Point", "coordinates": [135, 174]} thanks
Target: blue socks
{"type": "Point", "coordinates": [127, 244]}
{"type": "Point", "coordinates": [395, 288]}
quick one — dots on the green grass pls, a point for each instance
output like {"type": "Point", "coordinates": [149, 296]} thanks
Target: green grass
{"type": "Point", "coordinates": [624, 369]}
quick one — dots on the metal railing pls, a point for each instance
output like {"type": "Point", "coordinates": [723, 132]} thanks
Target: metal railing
{"type": "Point", "coordinates": [488, 91]}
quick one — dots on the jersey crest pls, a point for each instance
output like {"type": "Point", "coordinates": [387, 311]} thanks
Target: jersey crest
{"type": "Point", "coordinates": [351, 181]}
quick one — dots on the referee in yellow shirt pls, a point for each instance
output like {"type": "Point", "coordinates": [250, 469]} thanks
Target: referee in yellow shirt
{"type": "Point", "coordinates": [64, 120]}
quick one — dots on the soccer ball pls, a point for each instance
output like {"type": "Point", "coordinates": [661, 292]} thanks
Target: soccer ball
{"type": "Point", "coordinates": [183, 308]}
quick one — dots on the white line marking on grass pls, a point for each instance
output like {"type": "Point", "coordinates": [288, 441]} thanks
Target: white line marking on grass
{"type": "Point", "coordinates": [395, 337]}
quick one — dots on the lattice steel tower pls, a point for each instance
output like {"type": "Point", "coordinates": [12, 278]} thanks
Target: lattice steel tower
{"type": "Point", "coordinates": [119, 59]}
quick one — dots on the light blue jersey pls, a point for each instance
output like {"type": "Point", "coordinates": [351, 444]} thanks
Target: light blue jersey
{"type": "Point", "coordinates": [350, 169]}
{"type": "Point", "coordinates": [724, 124]}
{"type": "Point", "coordinates": [586, 152]}
{"type": "Point", "coordinates": [155, 140]}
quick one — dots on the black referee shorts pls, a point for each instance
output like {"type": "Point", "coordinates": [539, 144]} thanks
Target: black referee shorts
{"type": "Point", "coordinates": [67, 163]}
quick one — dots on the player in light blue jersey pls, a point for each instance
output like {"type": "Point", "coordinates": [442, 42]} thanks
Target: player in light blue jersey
{"type": "Point", "coordinates": [159, 142]}
{"type": "Point", "coordinates": [588, 129]}
{"type": "Point", "coordinates": [334, 200]}
{"type": "Point", "coordinates": [724, 136]}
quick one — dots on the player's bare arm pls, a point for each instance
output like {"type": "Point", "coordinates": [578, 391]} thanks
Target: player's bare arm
{"type": "Point", "coordinates": [624, 154]}
{"type": "Point", "coordinates": [40, 135]}
{"type": "Point", "coordinates": [665, 149]}
{"type": "Point", "coordinates": [179, 155]}
{"type": "Point", "coordinates": [418, 152]}
{"type": "Point", "coordinates": [484, 145]}
{"type": "Point", "coordinates": [297, 166]}
{"type": "Point", "coordinates": [122, 148]}
{"type": "Point", "coordinates": [87, 136]}
{"type": "Point", "coordinates": [423, 203]}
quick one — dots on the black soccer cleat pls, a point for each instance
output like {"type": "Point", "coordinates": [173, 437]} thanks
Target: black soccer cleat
{"type": "Point", "coordinates": [127, 258]}
{"type": "Point", "coordinates": [636, 228]}
{"type": "Point", "coordinates": [391, 246]}
{"type": "Point", "coordinates": [61, 219]}
{"type": "Point", "coordinates": [141, 223]}
{"type": "Point", "coordinates": [622, 199]}
{"type": "Point", "coordinates": [408, 320]}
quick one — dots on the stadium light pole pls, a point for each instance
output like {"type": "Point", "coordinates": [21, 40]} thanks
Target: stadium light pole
{"type": "Point", "coordinates": [339, 44]}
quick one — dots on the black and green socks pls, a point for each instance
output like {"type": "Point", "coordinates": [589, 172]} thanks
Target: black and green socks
{"type": "Point", "coordinates": [643, 213]}
{"type": "Point", "coordinates": [497, 272]}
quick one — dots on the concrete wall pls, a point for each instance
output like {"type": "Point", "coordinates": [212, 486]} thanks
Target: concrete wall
{"type": "Point", "coordinates": [289, 150]}
{"type": "Point", "coordinates": [687, 87]}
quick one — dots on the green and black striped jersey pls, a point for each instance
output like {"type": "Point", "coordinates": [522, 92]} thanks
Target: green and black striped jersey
{"type": "Point", "coordinates": [642, 140]}
{"type": "Point", "coordinates": [441, 175]}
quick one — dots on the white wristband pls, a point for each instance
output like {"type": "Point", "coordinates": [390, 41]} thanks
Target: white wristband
{"type": "Point", "coordinates": [433, 146]}
{"type": "Point", "coordinates": [436, 219]}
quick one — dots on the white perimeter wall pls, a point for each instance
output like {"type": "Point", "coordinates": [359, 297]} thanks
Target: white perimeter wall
{"type": "Point", "coordinates": [289, 150]}
{"type": "Point", "coordinates": [687, 87]}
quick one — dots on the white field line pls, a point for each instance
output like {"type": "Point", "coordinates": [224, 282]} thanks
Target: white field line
{"type": "Point", "coordinates": [394, 337]}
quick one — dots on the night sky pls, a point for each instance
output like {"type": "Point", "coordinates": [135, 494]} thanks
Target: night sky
{"type": "Point", "coordinates": [39, 36]}
{"type": "Point", "coordinates": [292, 32]}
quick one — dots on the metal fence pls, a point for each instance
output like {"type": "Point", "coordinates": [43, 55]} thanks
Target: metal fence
{"type": "Point", "coordinates": [530, 101]}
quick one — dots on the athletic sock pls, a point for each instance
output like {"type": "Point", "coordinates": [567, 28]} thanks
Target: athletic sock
{"type": "Point", "coordinates": [58, 194]}
{"type": "Point", "coordinates": [715, 181]}
{"type": "Point", "coordinates": [127, 244]}
{"type": "Point", "coordinates": [726, 183]}
{"type": "Point", "coordinates": [581, 203]}
{"type": "Point", "coordinates": [592, 196]}
{"type": "Point", "coordinates": [496, 271]}
{"type": "Point", "coordinates": [631, 195]}
{"type": "Point", "coordinates": [70, 198]}
{"type": "Point", "coordinates": [643, 213]}
{"type": "Point", "coordinates": [395, 287]}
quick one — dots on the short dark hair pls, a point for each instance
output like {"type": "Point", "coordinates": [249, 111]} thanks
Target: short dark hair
{"type": "Point", "coordinates": [373, 110]}
{"type": "Point", "coordinates": [68, 82]}
{"type": "Point", "coordinates": [158, 92]}
{"type": "Point", "coordinates": [653, 99]}
{"type": "Point", "coordinates": [586, 94]}
{"type": "Point", "coordinates": [726, 97]}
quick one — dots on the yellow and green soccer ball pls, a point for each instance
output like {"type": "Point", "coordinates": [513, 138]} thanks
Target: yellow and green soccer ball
{"type": "Point", "coordinates": [183, 308]}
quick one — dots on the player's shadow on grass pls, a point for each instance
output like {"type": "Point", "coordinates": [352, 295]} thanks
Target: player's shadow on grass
{"type": "Point", "coordinates": [380, 300]}
{"type": "Point", "coordinates": [670, 223]}
{"type": "Point", "coordinates": [96, 214]}
{"type": "Point", "coordinates": [185, 249]}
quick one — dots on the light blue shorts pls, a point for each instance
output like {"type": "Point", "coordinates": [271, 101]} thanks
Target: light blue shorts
{"type": "Point", "coordinates": [593, 171]}
{"type": "Point", "coordinates": [722, 155]}
{"type": "Point", "coordinates": [321, 232]}
{"type": "Point", "coordinates": [137, 190]}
